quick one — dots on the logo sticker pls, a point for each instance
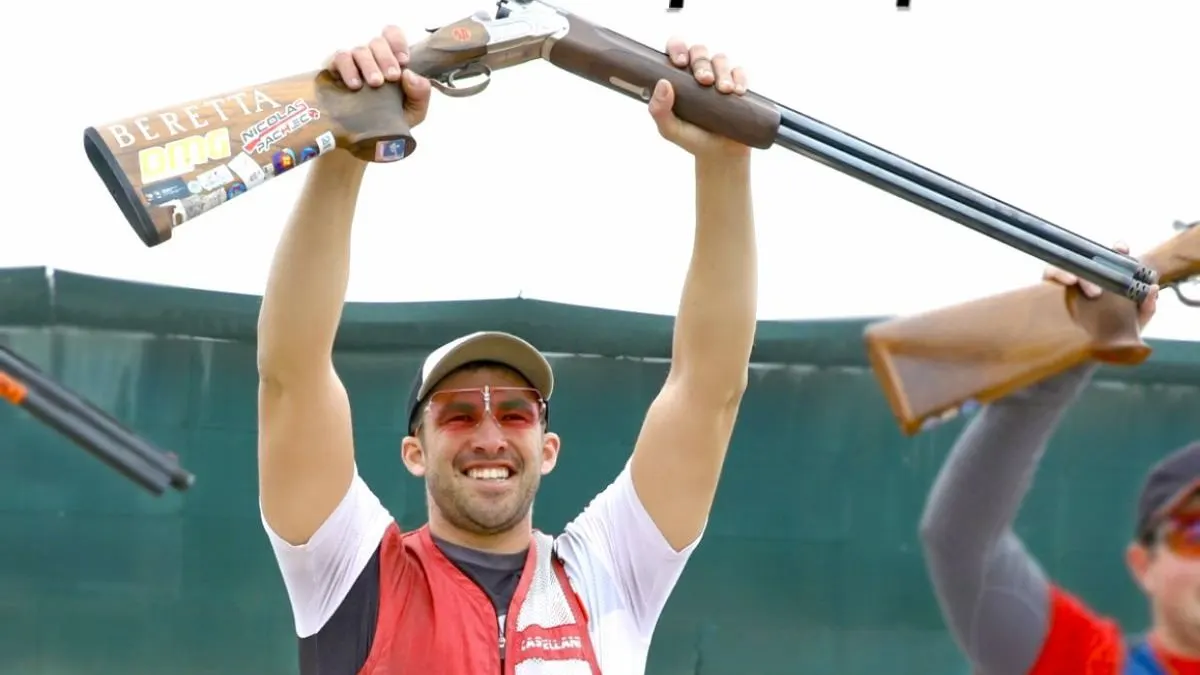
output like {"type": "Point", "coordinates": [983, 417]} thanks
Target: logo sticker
{"type": "Point", "coordinates": [213, 179]}
{"type": "Point", "coordinates": [283, 160]}
{"type": "Point", "coordinates": [265, 133]}
{"type": "Point", "coordinates": [248, 170]}
{"type": "Point", "coordinates": [183, 155]}
{"type": "Point", "coordinates": [164, 191]}
{"type": "Point", "coordinates": [389, 151]}
{"type": "Point", "coordinates": [325, 143]}
{"type": "Point", "coordinates": [183, 210]}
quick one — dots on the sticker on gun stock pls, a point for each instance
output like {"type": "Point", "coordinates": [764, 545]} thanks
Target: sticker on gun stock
{"type": "Point", "coordinates": [183, 210]}
{"type": "Point", "coordinates": [389, 151]}
{"type": "Point", "coordinates": [248, 170]}
{"type": "Point", "coordinates": [326, 143]}
{"type": "Point", "coordinates": [164, 191]}
{"type": "Point", "coordinates": [211, 180]}
{"type": "Point", "coordinates": [182, 155]}
{"type": "Point", "coordinates": [265, 133]}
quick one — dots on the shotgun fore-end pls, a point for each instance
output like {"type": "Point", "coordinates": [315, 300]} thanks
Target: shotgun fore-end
{"type": "Point", "coordinates": [623, 65]}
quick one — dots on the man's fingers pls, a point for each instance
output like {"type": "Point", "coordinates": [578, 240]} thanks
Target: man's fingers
{"type": "Point", "coordinates": [397, 43]}
{"type": "Point", "coordinates": [741, 83]}
{"type": "Point", "coordinates": [416, 96]}
{"type": "Point", "coordinates": [365, 60]}
{"type": "Point", "coordinates": [1121, 247]}
{"type": "Point", "coordinates": [702, 66]}
{"type": "Point", "coordinates": [344, 67]}
{"type": "Point", "coordinates": [1061, 276]}
{"type": "Point", "coordinates": [1089, 289]}
{"type": "Point", "coordinates": [722, 73]}
{"type": "Point", "coordinates": [416, 88]}
{"type": "Point", "coordinates": [677, 51]}
{"type": "Point", "coordinates": [1148, 306]}
{"type": "Point", "coordinates": [382, 51]}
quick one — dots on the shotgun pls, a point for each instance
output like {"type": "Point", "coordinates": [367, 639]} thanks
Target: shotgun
{"type": "Point", "coordinates": [168, 167]}
{"type": "Point", "coordinates": [935, 365]}
{"type": "Point", "coordinates": [23, 385]}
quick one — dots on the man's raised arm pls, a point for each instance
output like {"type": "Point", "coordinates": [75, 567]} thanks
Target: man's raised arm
{"type": "Point", "coordinates": [305, 447]}
{"type": "Point", "coordinates": [305, 444]}
{"type": "Point", "coordinates": [679, 453]}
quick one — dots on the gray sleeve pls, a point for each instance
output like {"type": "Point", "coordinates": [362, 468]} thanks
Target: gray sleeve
{"type": "Point", "coordinates": [993, 594]}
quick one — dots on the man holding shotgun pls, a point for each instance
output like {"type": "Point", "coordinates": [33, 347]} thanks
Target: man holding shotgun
{"type": "Point", "coordinates": [1003, 612]}
{"type": "Point", "coordinates": [477, 590]}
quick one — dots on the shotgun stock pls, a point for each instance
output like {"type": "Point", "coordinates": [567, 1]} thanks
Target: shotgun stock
{"type": "Point", "coordinates": [934, 365]}
{"type": "Point", "coordinates": [164, 168]}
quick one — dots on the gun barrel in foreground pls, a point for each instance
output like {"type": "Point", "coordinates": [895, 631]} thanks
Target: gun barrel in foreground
{"type": "Point", "coordinates": [934, 365]}
{"type": "Point", "coordinates": [27, 387]}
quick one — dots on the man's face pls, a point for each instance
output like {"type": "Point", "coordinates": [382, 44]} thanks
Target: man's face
{"type": "Point", "coordinates": [482, 449]}
{"type": "Point", "coordinates": [1170, 571]}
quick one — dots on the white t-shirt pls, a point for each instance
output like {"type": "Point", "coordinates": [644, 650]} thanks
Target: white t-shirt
{"type": "Point", "coordinates": [619, 562]}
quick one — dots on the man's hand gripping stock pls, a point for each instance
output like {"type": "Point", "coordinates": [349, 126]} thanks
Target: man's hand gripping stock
{"type": "Point", "coordinates": [710, 71]}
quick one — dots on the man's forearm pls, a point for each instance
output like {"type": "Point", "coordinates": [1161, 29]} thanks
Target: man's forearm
{"type": "Point", "coordinates": [714, 329]}
{"type": "Point", "coordinates": [994, 596]}
{"type": "Point", "coordinates": [307, 284]}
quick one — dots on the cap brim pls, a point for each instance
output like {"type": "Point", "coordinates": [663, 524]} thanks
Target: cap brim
{"type": "Point", "coordinates": [494, 346]}
{"type": "Point", "coordinates": [1180, 496]}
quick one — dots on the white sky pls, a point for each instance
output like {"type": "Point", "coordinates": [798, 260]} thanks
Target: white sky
{"type": "Point", "coordinates": [1081, 111]}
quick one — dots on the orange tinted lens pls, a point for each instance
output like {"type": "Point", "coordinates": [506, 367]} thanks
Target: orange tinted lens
{"type": "Point", "coordinates": [463, 409]}
{"type": "Point", "coordinates": [516, 407]}
{"type": "Point", "coordinates": [1183, 537]}
{"type": "Point", "coordinates": [456, 409]}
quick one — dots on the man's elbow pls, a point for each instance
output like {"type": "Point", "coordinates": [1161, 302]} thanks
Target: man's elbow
{"type": "Point", "coordinates": [932, 532]}
{"type": "Point", "coordinates": [716, 388]}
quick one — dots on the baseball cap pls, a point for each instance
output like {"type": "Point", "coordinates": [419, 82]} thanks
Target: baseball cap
{"type": "Point", "coordinates": [491, 346]}
{"type": "Point", "coordinates": [1172, 480]}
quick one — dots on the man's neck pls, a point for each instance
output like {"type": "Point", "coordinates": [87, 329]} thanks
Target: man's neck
{"type": "Point", "coordinates": [514, 540]}
{"type": "Point", "coordinates": [1165, 641]}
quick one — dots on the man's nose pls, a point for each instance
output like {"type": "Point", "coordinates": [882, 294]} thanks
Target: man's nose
{"type": "Point", "coordinates": [489, 437]}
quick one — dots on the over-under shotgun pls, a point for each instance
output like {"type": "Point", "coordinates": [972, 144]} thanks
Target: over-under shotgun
{"type": "Point", "coordinates": [167, 167]}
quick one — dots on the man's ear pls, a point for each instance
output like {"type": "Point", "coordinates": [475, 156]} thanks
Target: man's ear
{"type": "Point", "coordinates": [413, 455]}
{"type": "Point", "coordinates": [550, 447]}
{"type": "Point", "coordinates": [1139, 559]}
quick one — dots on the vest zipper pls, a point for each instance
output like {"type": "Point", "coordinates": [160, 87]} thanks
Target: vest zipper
{"type": "Point", "coordinates": [501, 640]}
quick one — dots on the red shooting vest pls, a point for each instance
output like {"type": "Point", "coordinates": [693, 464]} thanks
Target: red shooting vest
{"type": "Point", "coordinates": [435, 619]}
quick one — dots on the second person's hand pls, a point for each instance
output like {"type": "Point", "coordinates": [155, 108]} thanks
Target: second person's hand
{"type": "Point", "coordinates": [1091, 290]}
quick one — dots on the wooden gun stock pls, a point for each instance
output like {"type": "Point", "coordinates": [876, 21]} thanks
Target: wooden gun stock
{"type": "Point", "coordinates": [933, 365]}
{"type": "Point", "coordinates": [166, 167]}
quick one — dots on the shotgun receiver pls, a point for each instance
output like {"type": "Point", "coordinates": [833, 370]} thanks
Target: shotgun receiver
{"type": "Point", "coordinates": [170, 166]}
{"type": "Point", "coordinates": [934, 365]}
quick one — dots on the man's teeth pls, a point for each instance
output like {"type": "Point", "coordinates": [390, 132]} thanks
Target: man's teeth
{"type": "Point", "coordinates": [489, 473]}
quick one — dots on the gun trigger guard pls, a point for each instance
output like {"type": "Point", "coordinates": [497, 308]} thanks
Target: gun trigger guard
{"type": "Point", "coordinates": [1187, 302]}
{"type": "Point", "coordinates": [447, 84]}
